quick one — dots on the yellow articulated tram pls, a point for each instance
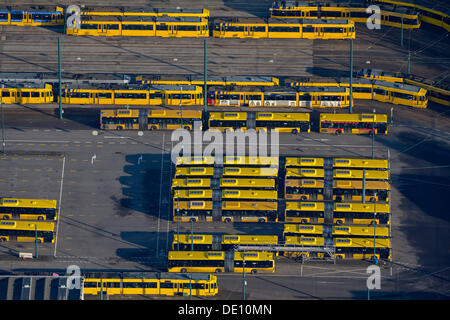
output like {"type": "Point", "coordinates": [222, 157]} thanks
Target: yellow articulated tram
{"type": "Point", "coordinates": [389, 15]}
{"type": "Point", "coordinates": [132, 95]}
{"type": "Point", "coordinates": [145, 26]}
{"type": "Point", "coordinates": [145, 12]}
{"type": "Point", "coordinates": [438, 91]}
{"type": "Point", "coordinates": [378, 90]}
{"type": "Point", "coordinates": [144, 119]}
{"type": "Point", "coordinates": [27, 231]}
{"type": "Point", "coordinates": [32, 16]}
{"type": "Point", "coordinates": [353, 123]}
{"type": "Point", "coordinates": [436, 15]}
{"type": "Point", "coordinates": [319, 97]}
{"type": "Point", "coordinates": [283, 28]}
{"type": "Point", "coordinates": [28, 209]}
{"type": "Point", "coordinates": [377, 74]}
{"type": "Point", "coordinates": [165, 284]}
{"type": "Point", "coordinates": [26, 93]}
{"type": "Point", "coordinates": [198, 80]}
{"type": "Point", "coordinates": [221, 261]}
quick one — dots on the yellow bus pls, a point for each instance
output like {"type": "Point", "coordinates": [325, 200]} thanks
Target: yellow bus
{"type": "Point", "coordinates": [230, 210]}
{"type": "Point", "coordinates": [253, 195]}
{"type": "Point", "coordinates": [303, 162]}
{"type": "Point", "coordinates": [360, 231]}
{"type": "Point", "coordinates": [194, 194]}
{"type": "Point", "coordinates": [227, 121]}
{"type": "Point", "coordinates": [181, 172]}
{"type": "Point", "coordinates": [244, 172]}
{"type": "Point", "coordinates": [353, 123]}
{"type": "Point", "coordinates": [143, 119]}
{"type": "Point", "coordinates": [352, 190]}
{"type": "Point", "coordinates": [336, 231]}
{"type": "Point", "coordinates": [249, 211]}
{"type": "Point", "coordinates": [220, 261]}
{"type": "Point", "coordinates": [303, 241]}
{"type": "Point", "coordinates": [361, 248]}
{"type": "Point", "coordinates": [361, 213]}
{"type": "Point", "coordinates": [303, 189]}
{"type": "Point", "coordinates": [294, 162]}
{"type": "Point", "coordinates": [191, 183]}
{"type": "Point", "coordinates": [133, 283]}
{"type": "Point", "coordinates": [192, 210]}
{"type": "Point", "coordinates": [202, 183]}
{"type": "Point", "coordinates": [304, 212]}
{"type": "Point", "coordinates": [27, 231]}
{"type": "Point", "coordinates": [343, 190]}
{"type": "Point", "coordinates": [348, 213]}
{"type": "Point", "coordinates": [195, 161]}
{"type": "Point", "coordinates": [251, 161]}
{"type": "Point", "coordinates": [293, 122]}
{"type": "Point", "coordinates": [337, 174]}
{"type": "Point", "coordinates": [302, 229]}
{"type": "Point", "coordinates": [28, 209]}
{"type": "Point", "coordinates": [217, 242]}
{"type": "Point", "coordinates": [379, 164]}
{"type": "Point", "coordinates": [226, 194]}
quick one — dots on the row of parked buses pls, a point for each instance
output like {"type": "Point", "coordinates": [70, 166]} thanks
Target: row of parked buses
{"type": "Point", "coordinates": [293, 122]}
{"type": "Point", "coordinates": [227, 193]}
{"type": "Point", "coordinates": [361, 180]}
{"type": "Point", "coordinates": [318, 94]}
{"type": "Point", "coordinates": [217, 253]}
{"type": "Point", "coordinates": [27, 220]}
{"type": "Point", "coordinates": [357, 12]}
{"type": "Point", "coordinates": [250, 190]}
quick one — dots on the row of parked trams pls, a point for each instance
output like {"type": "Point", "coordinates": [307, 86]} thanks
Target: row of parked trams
{"type": "Point", "coordinates": [285, 19]}
{"type": "Point", "coordinates": [236, 91]}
